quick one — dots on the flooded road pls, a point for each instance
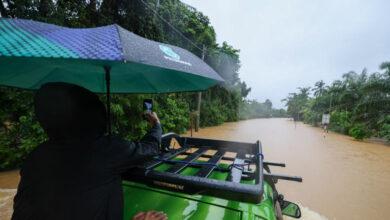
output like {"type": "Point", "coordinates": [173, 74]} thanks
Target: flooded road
{"type": "Point", "coordinates": [9, 180]}
{"type": "Point", "coordinates": [342, 178]}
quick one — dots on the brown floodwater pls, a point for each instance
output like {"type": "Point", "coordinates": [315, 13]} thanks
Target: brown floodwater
{"type": "Point", "coordinates": [342, 178]}
{"type": "Point", "coordinates": [9, 180]}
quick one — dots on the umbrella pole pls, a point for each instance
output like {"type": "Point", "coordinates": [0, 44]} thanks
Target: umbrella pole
{"type": "Point", "coordinates": [107, 68]}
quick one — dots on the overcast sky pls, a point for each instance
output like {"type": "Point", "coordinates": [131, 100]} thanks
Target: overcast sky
{"type": "Point", "coordinates": [287, 44]}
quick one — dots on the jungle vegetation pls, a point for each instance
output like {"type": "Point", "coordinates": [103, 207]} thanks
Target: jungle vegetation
{"type": "Point", "coordinates": [19, 130]}
{"type": "Point", "coordinates": [359, 104]}
{"type": "Point", "coordinates": [254, 109]}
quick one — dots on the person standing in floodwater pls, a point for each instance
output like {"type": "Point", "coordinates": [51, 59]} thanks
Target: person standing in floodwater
{"type": "Point", "coordinates": [76, 174]}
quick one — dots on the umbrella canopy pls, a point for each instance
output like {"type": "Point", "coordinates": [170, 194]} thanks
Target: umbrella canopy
{"type": "Point", "coordinates": [34, 53]}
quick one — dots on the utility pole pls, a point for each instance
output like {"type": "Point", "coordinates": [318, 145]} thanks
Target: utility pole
{"type": "Point", "coordinates": [330, 104]}
{"type": "Point", "coordinates": [199, 98]}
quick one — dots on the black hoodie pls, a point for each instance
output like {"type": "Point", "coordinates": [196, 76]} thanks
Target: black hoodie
{"type": "Point", "coordinates": [77, 173]}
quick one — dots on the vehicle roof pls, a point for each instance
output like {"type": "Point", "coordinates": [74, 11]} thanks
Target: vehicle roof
{"type": "Point", "coordinates": [140, 197]}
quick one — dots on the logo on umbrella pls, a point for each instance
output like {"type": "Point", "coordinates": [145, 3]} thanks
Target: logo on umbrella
{"type": "Point", "coordinates": [168, 51]}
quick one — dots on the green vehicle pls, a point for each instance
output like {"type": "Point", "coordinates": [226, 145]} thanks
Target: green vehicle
{"type": "Point", "coordinates": [189, 183]}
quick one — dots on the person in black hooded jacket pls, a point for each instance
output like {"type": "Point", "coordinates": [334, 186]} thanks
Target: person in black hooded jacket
{"type": "Point", "coordinates": [76, 174]}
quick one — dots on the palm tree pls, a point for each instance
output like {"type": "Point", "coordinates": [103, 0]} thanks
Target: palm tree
{"type": "Point", "coordinates": [375, 99]}
{"type": "Point", "coordinates": [297, 102]}
{"type": "Point", "coordinates": [319, 88]}
{"type": "Point", "coordinates": [360, 103]}
{"type": "Point", "coordinates": [305, 92]}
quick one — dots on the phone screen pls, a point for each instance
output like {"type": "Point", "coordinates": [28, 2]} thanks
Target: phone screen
{"type": "Point", "coordinates": [148, 106]}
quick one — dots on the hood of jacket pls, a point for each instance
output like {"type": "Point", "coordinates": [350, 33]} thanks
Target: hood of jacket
{"type": "Point", "coordinates": [67, 111]}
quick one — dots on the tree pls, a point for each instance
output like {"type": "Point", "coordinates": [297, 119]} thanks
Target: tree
{"type": "Point", "coordinates": [297, 102]}
{"type": "Point", "coordinates": [268, 104]}
{"type": "Point", "coordinates": [319, 88]}
{"type": "Point", "coordinates": [360, 103]}
{"type": "Point", "coordinates": [244, 90]}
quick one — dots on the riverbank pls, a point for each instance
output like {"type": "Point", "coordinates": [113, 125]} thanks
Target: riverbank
{"type": "Point", "coordinates": [374, 140]}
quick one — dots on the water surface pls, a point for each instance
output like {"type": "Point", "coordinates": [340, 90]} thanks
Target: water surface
{"type": "Point", "coordinates": [342, 178]}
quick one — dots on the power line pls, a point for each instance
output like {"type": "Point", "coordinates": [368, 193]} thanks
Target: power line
{"type": "Point", "coordinates": [171, 26]}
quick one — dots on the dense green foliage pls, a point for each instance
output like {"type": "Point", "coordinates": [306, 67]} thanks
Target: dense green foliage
{"type": "Point", "coordinates": [359, 104]}
{"type": "Point", "coordinates": [19, 130]}
{"type": "Point", "coordinates": [254, 109]}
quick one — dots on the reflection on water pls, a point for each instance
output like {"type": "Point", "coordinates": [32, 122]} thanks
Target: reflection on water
{"type": "Point", "coordinates": [342, 178]}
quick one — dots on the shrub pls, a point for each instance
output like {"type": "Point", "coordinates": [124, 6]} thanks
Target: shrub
{"type": "Point", "coordinates": [359, 131]}
{"type": "Point", "coordinates": [384, 127]}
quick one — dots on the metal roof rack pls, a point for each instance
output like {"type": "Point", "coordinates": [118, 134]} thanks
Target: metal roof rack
{"type": "Point", "coordinates": [232, 188]}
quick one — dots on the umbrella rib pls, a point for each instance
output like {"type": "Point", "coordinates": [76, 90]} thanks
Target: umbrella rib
{"type": "Point", "coordinates": [120, 41]}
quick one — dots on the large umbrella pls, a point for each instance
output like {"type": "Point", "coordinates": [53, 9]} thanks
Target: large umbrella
{"type": "Point", "coordinates": [33, 53]}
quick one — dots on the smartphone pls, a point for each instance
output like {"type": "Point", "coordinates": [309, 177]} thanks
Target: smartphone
{"type": "Point", "coordinates": [148, 106]}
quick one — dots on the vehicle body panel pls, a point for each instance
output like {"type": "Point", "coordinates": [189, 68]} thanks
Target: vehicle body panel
{"type": "Point", "coordinates": [139, 197]}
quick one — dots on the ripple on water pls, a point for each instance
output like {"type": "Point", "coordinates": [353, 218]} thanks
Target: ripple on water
{"type": "Point", "coordinates": [6, 203]}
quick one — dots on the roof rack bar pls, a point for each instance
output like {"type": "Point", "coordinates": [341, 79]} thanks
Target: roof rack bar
{"type": "Point", "coordinates": [284, 177]}
{"type": "Point", "coordinates": [181, 166]}
{"type": "Point", "coordinates": [236, 172]}
{"type": "Point", "coordinates": [274, 164]}
{"type": "Point", "coordinates": [200, 166]}
{"type": "Point", "coordinates": [210, 156]}
{"type": "Point", "coordinates": [259, 165]}
{"type": "Point", "coordinates": [167, 156]}
{"type": "Point", "coordinates": [205, 171]}
{"type": "Point", "coordinates": [215, 144]}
